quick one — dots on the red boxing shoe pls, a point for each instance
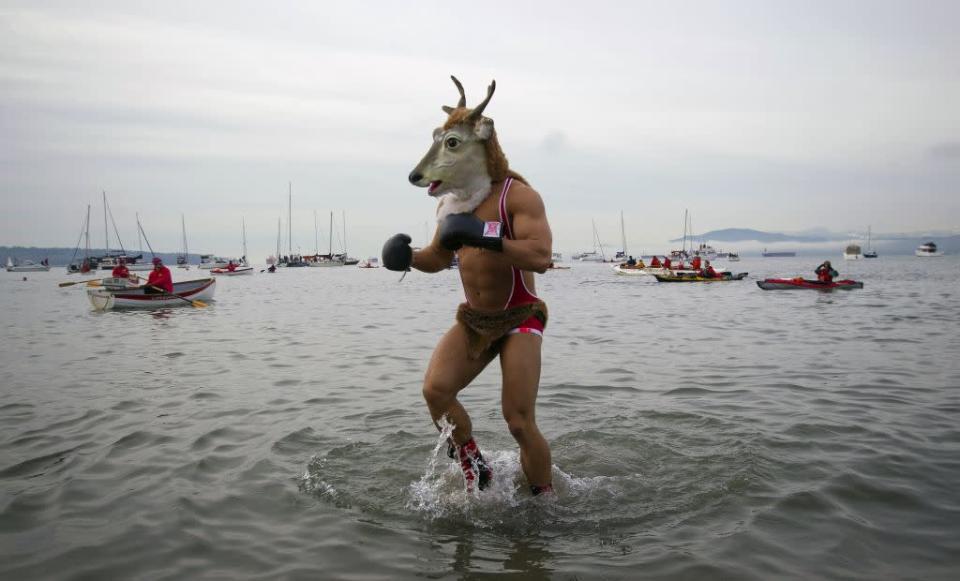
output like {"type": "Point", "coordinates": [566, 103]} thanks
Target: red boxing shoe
{"type": "Point", "coordinates": [475, 469]}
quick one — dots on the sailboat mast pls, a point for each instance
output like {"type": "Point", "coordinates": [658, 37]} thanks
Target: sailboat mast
{"type": "Point", "coordinates": [87, 234]}
{"type": "Point", "coordinates": [183, 224]}
{"type": "Point", "coordinates": [623, 234]}
{"type": "Point", "coordinates": [290, 217]}
{"type": "Point", "coordinates": [106, 234]}
{"type": "Point", "coordinates": [684, 247]}
{"type": "Point", "coordinates": [330, 245]}
{"type": "Point", "coordinates": [278, 241]}
{"type": "Point", "coordinates": [243, 226]}
{"type": "Point", "coordinates": [316, 236]}
{"type": "Point", "coordinates": [344, 235]}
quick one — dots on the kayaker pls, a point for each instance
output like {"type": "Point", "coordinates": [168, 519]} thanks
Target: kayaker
{"type": "Point", "coordinates": [273, 268]}
{"type": "Point", "coordinates": [825, 272]}
{"type": "Point", "coordinates": [160, 278]}
{"type": "Point", "coordinates": [231, 266]}
{"type": "Point", "coordinates": [640, 264]}
{"type": "Point", "coordinates": [631, 262]}
{"type": "Point", "coordinates": [695, 263]}
{"type": "Point", "coordinates": [667, 263]}
{"type": "Point", "coordinates": [120, 270]}
{"type": "Point", "coordinates": [709, 272]}
{"type": "Point", "coordinates": [655, 262]}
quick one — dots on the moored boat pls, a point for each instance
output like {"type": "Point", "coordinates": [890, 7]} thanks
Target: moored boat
{"type": "Point", "coordinates": [802, 283]}
{"type": "Point", "coordinates": [928, 250]}
{"type": "Point", "coordinates": [852, 252]}
{"type": "Point", "coordinates": [372, 262]}
{"type": "Point", "coordinates": [104, 299]}
{"type": "Point", "coordinates": [26, 266]}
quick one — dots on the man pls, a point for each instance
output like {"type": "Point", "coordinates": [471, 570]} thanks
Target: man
{"type": "Point", "coordinates": [496, 224]}
{"type": "Point", "coordinates": [709, 271]}
{"type": "Point", "coordinates": [825, 272]}
{"type": "Point", "coordinates": [631, 261]}
{"type": "Point", "coordinates": [667, 263]}
{"type": "Point", "coordinates": [655, 262]}
{"type": "Point", "coordinates": [160, 279]}
{"type": "Point", "coordinates": [120, 270]}
{"type": "Point", "coordinates": [231, 267]}
{"type": "Point", "coordinates": [695, 263]}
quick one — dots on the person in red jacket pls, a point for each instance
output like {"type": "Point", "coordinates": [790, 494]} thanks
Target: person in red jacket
{"type": "Point", "coordinates": [709, 272]}
{"type": "Point", "coordinates": [160, 278]}
{"type": "Point", "coordinates": [120, 270]}
{"type": "Point", "coordinates": [695, 263]}
{"type": "Point", "coordinates": [231, 266]}
{"type": "Point", "coordinates": [655, 262]}
{"type": "Point", "coordinates": [667, 263]}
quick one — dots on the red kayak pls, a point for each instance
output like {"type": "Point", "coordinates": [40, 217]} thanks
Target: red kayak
{"type": "Point", "coordinates": [797, 283]}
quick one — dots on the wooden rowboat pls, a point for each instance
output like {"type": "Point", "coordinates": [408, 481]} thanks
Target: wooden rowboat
{"type": "Point", "coordinates": [104, 299]}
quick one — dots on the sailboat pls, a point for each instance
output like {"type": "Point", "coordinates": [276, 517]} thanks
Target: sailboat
{"type": "Point", "coordinates": [869, 252]}
{"type": "Point", "coordinates": [183, 256]}
{"type": "Point", "coordinates": [290, 260]}
{"type": "Point", "coordinates": [26, 266]}
{"type": "Point", "coordinates": [682, 253]}
{"type": "Point", "coordinates": [241, 267]}
{"type": "Point", "coordinates": [328, 259]}
{"type": "Point", "coordinates": [596, 255]}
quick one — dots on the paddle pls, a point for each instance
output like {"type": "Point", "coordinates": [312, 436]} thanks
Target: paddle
{"type": "Point", "coordinates": [195, 304]}
{"type": "Point", "coordinates": [73, 282]}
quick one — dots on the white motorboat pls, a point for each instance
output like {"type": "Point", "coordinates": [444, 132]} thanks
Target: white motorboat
{"type": "Point", "coordinates": [928, 250]}
{"type": "Point", "coordinates": [26, 266]}
{"type": "Point", "coordinates": [209, 261]}
{"type": "Point", "coordinates": [104, 299]}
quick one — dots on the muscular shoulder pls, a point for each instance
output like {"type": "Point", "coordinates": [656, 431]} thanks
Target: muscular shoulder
{"type": "Point", "coordinates": [523, 199]}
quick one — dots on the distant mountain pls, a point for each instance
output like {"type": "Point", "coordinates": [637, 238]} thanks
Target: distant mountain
{"type": "Point", "coordinates": [62, 256]}
{"type": "Point", "coordinates": [746, 234]}
{"type": "Point", "coordinates": [815, 242]}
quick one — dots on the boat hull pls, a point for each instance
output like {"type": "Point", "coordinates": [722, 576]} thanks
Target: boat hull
{"type": "Point", "coordinates": [238, 272]}
{"type": "Point", "coordinates": [732, 277]}
{"type": "Point", "coordinates": [104, 299]}
{"type": "Point", "coordinates": [28, 268]}
{"type": "Point", "coordinates": [801, 284]}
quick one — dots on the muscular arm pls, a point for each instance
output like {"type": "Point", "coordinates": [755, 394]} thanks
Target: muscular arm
{"type": "Point", "coordinates": [433, 258]}
{"type": "Point", "coordinates": [533, 243]}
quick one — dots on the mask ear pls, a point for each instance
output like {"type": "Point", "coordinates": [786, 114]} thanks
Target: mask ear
{"type": "Point", "coordinates": [483, 128]}
{"type": "Point", "coordinates": [448, 109]}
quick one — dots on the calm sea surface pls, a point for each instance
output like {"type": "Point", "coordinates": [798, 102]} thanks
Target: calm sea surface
{"type": "Point", "coordinates": [698, 431]}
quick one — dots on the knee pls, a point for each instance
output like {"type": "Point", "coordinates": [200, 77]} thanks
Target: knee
{"type": "Point", "coordinates": [435, 395]}
{"type": "Point", "coordinates": [520, 424]}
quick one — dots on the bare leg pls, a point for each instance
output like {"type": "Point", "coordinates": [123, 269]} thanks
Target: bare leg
{"type": "Point", "coordinates": [451, 370]}
{"type": "Point", "coordinates": [520, 362]}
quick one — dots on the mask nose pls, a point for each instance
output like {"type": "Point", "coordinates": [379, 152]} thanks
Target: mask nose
{"type": "Point", "coordinates": [415, 177]}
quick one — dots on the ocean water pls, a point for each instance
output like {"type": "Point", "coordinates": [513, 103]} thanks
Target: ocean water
{"type": "Point", "coordinates": [698, 431]}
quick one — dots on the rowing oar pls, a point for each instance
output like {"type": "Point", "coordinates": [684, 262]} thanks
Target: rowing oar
{"type": "Point", "coordinates": [196, 304]}
{"type": "Point", "coordinates": [73, 282]}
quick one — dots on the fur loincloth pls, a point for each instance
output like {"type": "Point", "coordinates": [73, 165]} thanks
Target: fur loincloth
{"type": "Point", "coordinates": [485, 328]}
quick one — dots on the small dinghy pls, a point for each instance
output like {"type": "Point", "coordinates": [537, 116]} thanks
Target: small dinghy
{"type": "Point", "coordinates": [184, 293]}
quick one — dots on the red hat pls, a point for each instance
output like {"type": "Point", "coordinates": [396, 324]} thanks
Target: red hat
{"type": "Point", "coordinates": [156, 260]}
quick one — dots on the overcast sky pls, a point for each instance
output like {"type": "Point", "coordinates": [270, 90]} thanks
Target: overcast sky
{"type": "Point", "coordinates": [767, 115]}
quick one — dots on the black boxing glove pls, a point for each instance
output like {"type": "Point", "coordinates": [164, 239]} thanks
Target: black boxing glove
{"type": "Point", "coordinates": [397, 254]}
{"type": "Point", "coordinates": [458, 230]}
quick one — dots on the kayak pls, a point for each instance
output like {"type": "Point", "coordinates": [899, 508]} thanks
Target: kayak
{"type": "Point", "coordinates": [800, 283]}
{"type": "Point", "coordinates": [104, 299]}
{"type": "Point", "coordinates": [725, 278]}
{"type": "Point", "coordinates": [236, 272]}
